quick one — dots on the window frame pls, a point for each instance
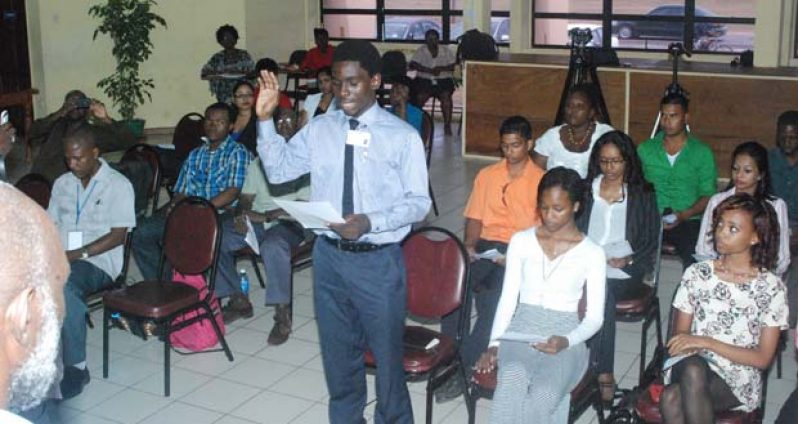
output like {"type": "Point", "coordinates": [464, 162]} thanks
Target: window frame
{"type": "Point", "coordinates": [445, 13]}
{"type": "Point", "coordinates": [606, 17]}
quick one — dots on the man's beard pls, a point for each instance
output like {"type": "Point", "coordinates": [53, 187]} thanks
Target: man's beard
{"type": "Point", "coordinates": [33, 379]}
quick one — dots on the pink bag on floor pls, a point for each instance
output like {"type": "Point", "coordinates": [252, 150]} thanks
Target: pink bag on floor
{"type": "Point", "coordinates": [199, 335]}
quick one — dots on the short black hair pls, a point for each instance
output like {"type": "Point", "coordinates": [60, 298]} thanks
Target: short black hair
{"type": "Point", "coordinates": [75, 93]}
{"type": "Point", "coordinates": [82, 135]}
{"type": "Point", "coordinates": [268, 64]}
{"type": "Point", "coordinates": [516, 125]}
{"type": "Point", "coordinates": [789, 117]}
{"type": "Point", "coordinates": [590, 91]}
{"type": "Point", "coordinates": [675, 99]}
{"type": "Point", "coordinates": [226, 28]}
{"type": "Point", "coordinates": [402, 80]}
{"type": "Point", "coordinates": [326, 70]}
{"type": "Point", "coordinates": [432, 31]}
{"type": "Point", "coordinates": [320, 31]}
{"type": "Point", "coordinates": [360, 51]}
{"type": "Point", "coordinates": [564, 178]}
{"type": "Point", "coordinates": [221, 106]}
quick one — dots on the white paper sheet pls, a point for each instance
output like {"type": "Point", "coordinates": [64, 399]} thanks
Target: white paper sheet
{"type": "Point", "coordinates": [513, 336]}
{"type": "Point", "coordinates": [618, 249]}
{"type": "Point", "coordinates": [312, 215]}
{"type": "Point", "coordinates": [251, 238]}
{"type": "Point", "coordinates": [490, 255]}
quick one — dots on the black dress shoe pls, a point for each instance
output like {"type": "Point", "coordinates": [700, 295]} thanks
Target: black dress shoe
{"type": "Point", "coordinates": [75, 379]}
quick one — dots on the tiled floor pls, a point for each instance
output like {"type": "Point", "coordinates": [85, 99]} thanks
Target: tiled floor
{"type": "Point", "coordinates": [285, 384]}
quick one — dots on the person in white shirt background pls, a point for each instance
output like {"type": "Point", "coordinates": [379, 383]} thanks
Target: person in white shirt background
{"type": "Point", "coordinates": [549, 269]}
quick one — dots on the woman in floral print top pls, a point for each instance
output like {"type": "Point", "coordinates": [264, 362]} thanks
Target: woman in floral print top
{"type": "Point", "coordinates": [729, 315]}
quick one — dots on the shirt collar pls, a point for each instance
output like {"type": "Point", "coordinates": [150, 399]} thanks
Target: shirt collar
{"type": "Point", "coordinates": [222, 146]}
{"type": "Point", "coordinates": [99, 176]}
{"type": "Point", "coordinates": [369, 117]}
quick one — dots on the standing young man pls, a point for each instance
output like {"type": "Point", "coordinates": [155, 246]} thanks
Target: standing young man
{"type": "Point", "coordinates": [367, 162]}
{"type": "Point", "coordinates": [682, 170]}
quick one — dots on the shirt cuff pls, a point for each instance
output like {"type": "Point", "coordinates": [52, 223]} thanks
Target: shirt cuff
{"type": "Point", "coordinates": [266, 127]}
{"type": "Point", "coordinates": [377, 221]}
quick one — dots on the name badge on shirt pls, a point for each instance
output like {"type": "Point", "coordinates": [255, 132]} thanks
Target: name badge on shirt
{"type": "Point", "coordinates": [358, 138]}
{"type": "Point", "coordinates": [74, 240]}
{"type": "Point", "coordinates": [434, 82]}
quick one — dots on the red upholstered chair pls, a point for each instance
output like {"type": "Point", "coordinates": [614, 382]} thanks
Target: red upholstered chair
{"type": "Point", "coordinates": [583, 396]}
{"type": "Point", "coordinates": [437, 284]}
{"type": "Point", "coordinates": [187, 136]}
{"type": "Point", "coordinates": [37, 187]}
{"type": "Point", "coordinates": [191, 245]}
{"type": "Point", "coordinates": [147, 153]}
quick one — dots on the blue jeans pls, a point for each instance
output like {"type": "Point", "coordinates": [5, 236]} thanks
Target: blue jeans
{"type": "Point", "coordinates": [275, 252]}
{"type": "Point", "coordinates": [147, 244]}
{"type": "Point", "coordinates": [84, 279]}
{"type": "Point", "coordinates": [360, 304]}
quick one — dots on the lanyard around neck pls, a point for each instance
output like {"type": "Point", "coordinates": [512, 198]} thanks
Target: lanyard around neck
{"type": "Point", "coordinates": [80, 206]}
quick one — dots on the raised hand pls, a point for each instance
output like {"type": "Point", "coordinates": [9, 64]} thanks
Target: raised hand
{"type": "Point", "coordinates": [268, 96]}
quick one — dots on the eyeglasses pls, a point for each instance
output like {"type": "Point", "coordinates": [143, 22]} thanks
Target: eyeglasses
{"type": "Point", "coordinates": [608, 162]}
{"type": "Point", "coordinates": [244, 96]}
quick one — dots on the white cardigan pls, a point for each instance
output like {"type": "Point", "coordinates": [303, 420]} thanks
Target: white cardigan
{"type": "Point", "coordinates": [560, 288]}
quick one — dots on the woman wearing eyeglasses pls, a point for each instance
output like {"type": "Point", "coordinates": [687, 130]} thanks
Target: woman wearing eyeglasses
{"type": "Point", "coordinates": [244, 125]}
{"type": "Point", "coordinates": [620, 215]}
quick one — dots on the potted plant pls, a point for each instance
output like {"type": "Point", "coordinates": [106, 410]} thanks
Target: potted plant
{"type": "Point", "coordinates": [128, 23]}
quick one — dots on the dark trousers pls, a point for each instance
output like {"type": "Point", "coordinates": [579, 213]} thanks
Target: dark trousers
{"type": "Point", "coordinates": [275, 251]}
{"type": "Point", "coordinates": [147, 244]}
{"type": "Point", "coordinates": [84, 279]}
{"type": "Point", "coordinates": [616, 289]}
{"type": "Point", "coordinates": [789, 411]}
{"type": "Point", "coordinates": [486, 289]}
{"type": "Point", "coordinates": [360, 304]}
{"type": "Point", "coordinates": [684, 237]}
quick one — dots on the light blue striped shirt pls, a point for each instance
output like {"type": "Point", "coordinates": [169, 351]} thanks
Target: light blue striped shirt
{"type": "Point", "coordinates": [390, 175]}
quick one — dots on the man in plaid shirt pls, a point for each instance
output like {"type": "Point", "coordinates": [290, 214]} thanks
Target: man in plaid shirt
{"type": "Point", "coordinates": [214, 171]}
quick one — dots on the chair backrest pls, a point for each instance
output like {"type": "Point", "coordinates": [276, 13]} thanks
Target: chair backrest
{"type": "Point", "coordinates": [297, 57]}
{"type": "Point", "coordinates": [188, 134]}
{"type": "Point", "coordinates": [394, 64]}
{"type": "Point", "coordinates": [37, 187]}
{"type": "Point", "coordinates": [192, 237]}
{"type": "Point", "coordinates": [427, 134]}
{"type": "Point", "coordinates": [437, 272]}
{"type": "Point", "coordinates": [147, 153]}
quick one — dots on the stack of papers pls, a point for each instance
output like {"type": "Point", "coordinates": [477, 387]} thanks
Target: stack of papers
{"type": "Point", "coordinates": [618, 249]}
{"type": "Point", "coordinates": [311, 215]}
{"type": "Point", "coordinates": [490, 255]}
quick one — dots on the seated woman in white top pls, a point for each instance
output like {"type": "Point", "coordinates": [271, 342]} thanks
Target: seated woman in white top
{"type": "Point", "coordinates": [569, 144]}
{"type": "Point", "coordinates": [321, 102]}
{"type": "Point", "coordinates": [749, 175]}
{"type": "Point", "coordinates": [729, 315]}
{"type": "Point", "coordinates": [548, 270]}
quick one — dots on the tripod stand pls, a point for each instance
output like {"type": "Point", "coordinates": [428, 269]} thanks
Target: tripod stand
{"type": "Point", "coordinates": [581, 70]}
{"type": "Point", "coordinates": [675, 50]}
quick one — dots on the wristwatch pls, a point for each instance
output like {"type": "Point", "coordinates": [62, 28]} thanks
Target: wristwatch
{"type": "Point", "coordinates": [84, 254]}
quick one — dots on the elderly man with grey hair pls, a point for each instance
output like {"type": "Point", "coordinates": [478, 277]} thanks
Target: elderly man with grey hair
{"type": "Point", "coordinates": [33, 269]}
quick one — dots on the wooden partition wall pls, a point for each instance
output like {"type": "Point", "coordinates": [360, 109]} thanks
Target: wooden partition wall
{"type": "Point", "coordinates": [727, 106]}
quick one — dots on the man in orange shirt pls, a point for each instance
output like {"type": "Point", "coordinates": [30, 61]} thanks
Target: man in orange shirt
{"type": "Point", "coordinates": [503, 202]}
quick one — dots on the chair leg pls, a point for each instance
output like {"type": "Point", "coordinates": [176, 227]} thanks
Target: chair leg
{"type": "Point", "coordinates": [432, 196]}
{"type": "Point", "coordinates": [254, 261]}
{"type": "Point", "coordinates": [218, 331]}
{"type": "Point", "coordinates": [167, 347]}
{"type": "Point", "coordinates": [429, 401]}
{"type": "Point", "coordinates": [644, 331]}
{"type": "Point", "coordinates": [106, 325]}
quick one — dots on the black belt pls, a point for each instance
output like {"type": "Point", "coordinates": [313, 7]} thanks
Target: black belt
{"type": "Point", "coordinates": [354, 246]}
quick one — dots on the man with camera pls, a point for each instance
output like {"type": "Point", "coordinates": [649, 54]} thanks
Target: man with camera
{"type": "Point", "coordinates": [46, 136]}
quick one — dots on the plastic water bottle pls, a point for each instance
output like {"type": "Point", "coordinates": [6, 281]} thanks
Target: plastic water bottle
{"type": "Point", "coordinates": [242, 273]}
